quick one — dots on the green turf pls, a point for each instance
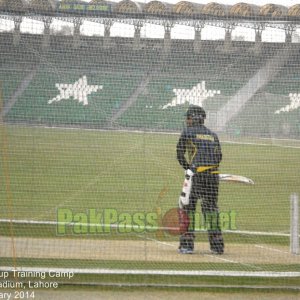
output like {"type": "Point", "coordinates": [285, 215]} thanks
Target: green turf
{"type": "Point", "coordinates": [137, 172]}
{"type": "Point", "coordinates": [152, 265]}
{"type": "Point", "coordinates": [46, 169]}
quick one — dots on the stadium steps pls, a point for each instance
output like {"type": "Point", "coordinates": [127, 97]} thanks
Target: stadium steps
{"type": "Point", "coordinates": [260, 79]}
{"type": "Point", "coordinates": [19, 91]}
{"type": "Point", "coordinates": [132, 99]}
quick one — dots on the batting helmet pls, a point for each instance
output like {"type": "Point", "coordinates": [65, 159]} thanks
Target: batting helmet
{"type": "Point", "coordinates": [196, 113]}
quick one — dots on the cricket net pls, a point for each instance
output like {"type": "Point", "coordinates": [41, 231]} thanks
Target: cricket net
{"type": "Point", "coordinates": [93, 97]}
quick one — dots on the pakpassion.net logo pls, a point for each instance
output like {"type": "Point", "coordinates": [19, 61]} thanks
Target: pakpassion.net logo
{"type": "Point", "coordinates": [109, 220]}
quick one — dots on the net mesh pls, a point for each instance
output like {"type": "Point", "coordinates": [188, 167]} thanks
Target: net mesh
{"type": "Point", "coordinates": [91, 112]}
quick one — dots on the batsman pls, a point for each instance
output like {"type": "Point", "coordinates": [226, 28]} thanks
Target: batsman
{"type": "Point", "coordinates": [199, 153]}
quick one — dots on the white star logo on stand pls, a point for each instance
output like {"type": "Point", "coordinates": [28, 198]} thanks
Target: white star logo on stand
{"type": "Point", "coordinates": [295, 103]}
{"type": "Point", "coordinates": [196, 95]}
{"type": "Point", "coordinates": [79, 91]}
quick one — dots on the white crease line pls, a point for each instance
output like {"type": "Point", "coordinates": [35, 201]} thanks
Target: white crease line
{"type": "Point", "coordinates": [232, 261]}
{"type": "Point", "coordinates": [156, 241]}
{"type": "Point", "coordinates": [271, 249]}
{"type": "Point", "coordinates": [72, 271]}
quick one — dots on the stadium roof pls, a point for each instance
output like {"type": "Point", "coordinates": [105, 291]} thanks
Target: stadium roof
{"type": "Point", "coordinates": [41, 5]}
{"type": "Point", "coordinates": [157, 7]}
{"type": "Point", "coordinates": [187, 8]}
{"type": "Point", "coordinates": [244, 10]}
{"type": "Point", "coordinates": [273, 10]}
{"type": "Point", "coordinates": [184, 8]}
{"type": "Point", "coordinates": [294, 11]}
{"type": "Point", "coordinates": [14, 5]}
{"type": "Point", "coordinates": [215, 9]}
{"type": "Point", "coordinates": [127, 6]}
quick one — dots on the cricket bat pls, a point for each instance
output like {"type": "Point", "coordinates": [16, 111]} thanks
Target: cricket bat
{"type": "Point", "coordinates": [235, 179]}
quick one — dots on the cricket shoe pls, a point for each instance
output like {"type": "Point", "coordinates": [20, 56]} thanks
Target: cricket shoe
{"type": "Point", "coordinates": [185, 250]}
{"type": "Point", "coordinates": [217, 251]}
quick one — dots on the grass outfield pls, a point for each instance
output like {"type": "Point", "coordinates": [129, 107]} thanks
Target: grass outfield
{"type": "Point", "coordinates": [136, 173]}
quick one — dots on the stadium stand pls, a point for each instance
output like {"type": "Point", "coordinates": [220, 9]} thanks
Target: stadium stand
{"type": "Point", "coordinates": [137, 82]}
{"type": "Point", "coordinates": [122, 73]}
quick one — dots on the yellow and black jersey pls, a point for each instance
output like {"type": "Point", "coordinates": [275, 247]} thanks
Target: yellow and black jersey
{"type": "Point", "coordinates": [202, 148]}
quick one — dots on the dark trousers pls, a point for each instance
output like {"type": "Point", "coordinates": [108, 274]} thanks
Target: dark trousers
{"type": "Point", "coordinates": [205, 187]}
